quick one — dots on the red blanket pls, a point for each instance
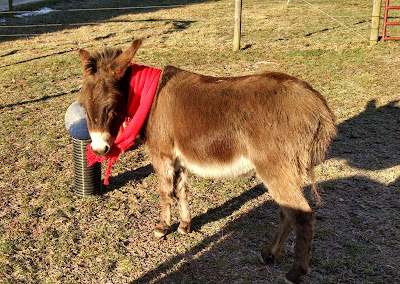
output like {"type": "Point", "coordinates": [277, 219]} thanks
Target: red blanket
{"type": "Point", "coordinates": [143, 86]}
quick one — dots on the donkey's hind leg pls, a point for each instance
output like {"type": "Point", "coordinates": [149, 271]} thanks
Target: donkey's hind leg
{"type": "Point", "coordinates": [286, 225]}
{"type": "Point", "coordinates": [304, 234]}
{"type": "Point", "coordinates": [295, 213]}
{"type": "Point", "coordinates": [182, 192]}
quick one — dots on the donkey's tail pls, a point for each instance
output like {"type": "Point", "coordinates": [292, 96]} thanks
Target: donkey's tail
{"type": "Point", "coordinates": [324, 133]}
{"type": "Point", "coordinates": [314, 190]}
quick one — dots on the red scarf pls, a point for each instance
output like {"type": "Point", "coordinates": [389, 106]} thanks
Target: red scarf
{"type": "Point", "coordinates": [143, 86]}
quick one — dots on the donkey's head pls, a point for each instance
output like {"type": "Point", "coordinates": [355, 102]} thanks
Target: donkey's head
{"type": "Point", "coordinates": [104, 93]}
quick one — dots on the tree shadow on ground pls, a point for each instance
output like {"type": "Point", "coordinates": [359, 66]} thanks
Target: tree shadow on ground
{"type": "Point", "coordinates": [45, 98]}
{"type": "Point", "coordinates": [72, 15]}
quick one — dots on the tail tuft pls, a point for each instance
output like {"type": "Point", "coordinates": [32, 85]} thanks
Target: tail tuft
{"type": "Point", "coordinates": [314, 190]}
{"type": "Point", "coordinates": [323, 136]}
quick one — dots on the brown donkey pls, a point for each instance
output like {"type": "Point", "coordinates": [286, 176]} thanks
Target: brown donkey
{"type": "Point", "coordinates": [271, 123]}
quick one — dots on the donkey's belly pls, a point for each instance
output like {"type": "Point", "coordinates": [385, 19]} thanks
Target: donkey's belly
{"type": "Point", "coordinates": [211, 169]}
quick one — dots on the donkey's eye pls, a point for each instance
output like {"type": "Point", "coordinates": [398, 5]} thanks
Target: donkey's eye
{"type": "Point", "coordinates": [110, 112]}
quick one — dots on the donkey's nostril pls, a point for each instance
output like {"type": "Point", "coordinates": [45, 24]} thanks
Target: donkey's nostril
{"type": "Point", "coordinates": [101, 151]}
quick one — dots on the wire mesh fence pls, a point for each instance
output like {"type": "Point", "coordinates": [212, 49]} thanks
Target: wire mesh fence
{"type": "Point", "coordinates": [25, 23]}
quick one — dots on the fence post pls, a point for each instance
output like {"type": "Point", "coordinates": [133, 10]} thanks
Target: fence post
{"type": "Point", "coordinates": [238, 25]}
{"type": "Point", "coordinates": [10, 5]}
{"type": "Point", "coordinates": [376, 13]}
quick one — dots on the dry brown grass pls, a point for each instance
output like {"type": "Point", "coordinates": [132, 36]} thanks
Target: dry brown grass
{"type": "Point", "coordinates": [50, 235]}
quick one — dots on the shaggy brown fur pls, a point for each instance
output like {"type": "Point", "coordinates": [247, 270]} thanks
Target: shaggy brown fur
{"type": "Point", "coordinates": [271, 123]}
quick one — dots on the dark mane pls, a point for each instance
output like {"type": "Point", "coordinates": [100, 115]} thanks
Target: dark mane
{"type": "Point", "coordinates": [102, 60]}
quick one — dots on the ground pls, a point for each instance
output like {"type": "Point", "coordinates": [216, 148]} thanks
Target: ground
{"type": "Point", "coordinates": [49, 234]}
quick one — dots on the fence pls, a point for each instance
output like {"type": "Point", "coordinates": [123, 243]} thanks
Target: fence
{"type": "Point", "coordinates": [6, 30]}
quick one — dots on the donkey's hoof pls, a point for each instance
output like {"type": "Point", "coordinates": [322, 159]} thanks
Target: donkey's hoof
{"type": "Point", "coordinates": [294, 276]}
{"type": "Point", "coordinates": [267, 257]}
{"type": "Point", "coordinates": [287, 281]}
{"type": "Point", "coordinates": [159, 234]}
{"type": "Point", "coordinates": [160, 231]}
{"type": "Point", "coordinates": [184, 228]}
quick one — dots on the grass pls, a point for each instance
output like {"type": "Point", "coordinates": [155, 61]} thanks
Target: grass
{"type": "Point", "coordinates": [48, 234]}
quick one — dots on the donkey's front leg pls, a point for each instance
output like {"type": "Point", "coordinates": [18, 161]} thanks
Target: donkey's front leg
{"type": "Point", "coordinates": [165, 172]}
{"type": "Point", "coordinates": [182, 192]}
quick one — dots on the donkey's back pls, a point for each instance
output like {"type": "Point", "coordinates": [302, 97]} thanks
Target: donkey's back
{"type": "Point", "coordinates": [222, 127]}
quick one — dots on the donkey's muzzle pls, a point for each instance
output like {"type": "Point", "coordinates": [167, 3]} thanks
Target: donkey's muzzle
{"type": "Point", "coordinates": [101, 143]}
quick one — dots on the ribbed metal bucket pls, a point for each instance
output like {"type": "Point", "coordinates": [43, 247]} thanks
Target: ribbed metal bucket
{"type": "Point", "coordinates": [87, 180]}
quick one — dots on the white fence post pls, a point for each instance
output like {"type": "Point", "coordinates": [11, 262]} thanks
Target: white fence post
{"type": "Point", "coordinates": [238, 25]}
{"type": "Point", "coordinates": [376, 13]}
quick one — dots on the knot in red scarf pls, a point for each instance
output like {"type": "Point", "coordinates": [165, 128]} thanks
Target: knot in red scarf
{"type": "Point", "coordinates": [143, 86]}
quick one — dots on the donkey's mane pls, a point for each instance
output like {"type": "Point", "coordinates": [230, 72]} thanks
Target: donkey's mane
{"type": "Point", "coordinates": [102, 60]}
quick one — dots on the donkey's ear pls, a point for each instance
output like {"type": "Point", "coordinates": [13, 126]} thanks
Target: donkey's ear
{"type": "Point", "coordinates": [124, 60]}
{"type": "Point", "coordinates": [86, 59]}
{"type": "Point", "coordinates": [85, 55]}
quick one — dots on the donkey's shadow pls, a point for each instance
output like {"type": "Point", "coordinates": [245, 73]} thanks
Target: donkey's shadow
{"type": "Point", "coordinates": [370, 140]}
{"type": "Point", "coordinates": [123, 179]}
{"type": "Point", "coordinates": [357, 224]}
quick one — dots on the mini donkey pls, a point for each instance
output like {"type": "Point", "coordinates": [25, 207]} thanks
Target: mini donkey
{"type": "Point", "coordinates": [271, 123]}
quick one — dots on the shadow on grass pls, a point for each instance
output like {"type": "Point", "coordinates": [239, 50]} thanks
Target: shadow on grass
{"type": "Point", "coordinates": [42, 99]}
{"type": "Point", "coordinates": [188, 257]}
{"type": "Point", "coordinates": [356, 238]}
{"type": "Point", "coordinates": [122, 179]}
{"type": "Point", "coordinates": [34, 58]}
{"type": "Point", "coordinates": [371, 139]}
{"type": "Point", "coordinates": [68, 18]}
{"type": "Point", "coordinates": [224, 210]}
